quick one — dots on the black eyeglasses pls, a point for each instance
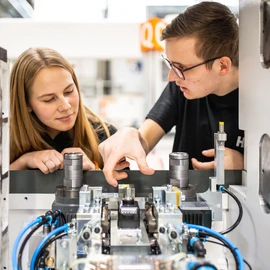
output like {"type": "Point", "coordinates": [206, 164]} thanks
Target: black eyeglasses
{"type": "Point", "coordinates": [180, 71]}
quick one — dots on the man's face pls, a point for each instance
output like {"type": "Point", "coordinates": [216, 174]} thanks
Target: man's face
{"type": "Point", "coordinates": [200, 81]}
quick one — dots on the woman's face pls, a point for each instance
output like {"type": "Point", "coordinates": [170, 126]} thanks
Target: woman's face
{"type": "Point", "coordinates": [54, 99]}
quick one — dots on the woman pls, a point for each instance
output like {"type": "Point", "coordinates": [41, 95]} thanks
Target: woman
{"type": "Point", "coordinates": [48, 118]}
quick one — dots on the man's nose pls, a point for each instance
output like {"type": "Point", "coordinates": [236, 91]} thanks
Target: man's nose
{"type": "Point", "coordinates": [172, 77]}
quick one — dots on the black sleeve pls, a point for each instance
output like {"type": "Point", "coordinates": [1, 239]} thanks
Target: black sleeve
{"type": "Point", "coordinates": [166, 109]}
{"type": "Point", "coordinates": [102, 134]}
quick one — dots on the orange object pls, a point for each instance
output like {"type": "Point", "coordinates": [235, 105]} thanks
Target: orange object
{"type": "Point", "coordinates": [150, 32]}
{"type": "Point", "coordinates": [96, 166]}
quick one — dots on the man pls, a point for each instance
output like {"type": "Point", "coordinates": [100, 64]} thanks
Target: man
{"type": "Point", "coordinates": [201, 48]}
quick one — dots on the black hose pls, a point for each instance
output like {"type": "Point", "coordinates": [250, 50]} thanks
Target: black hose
{"type": "Point", "coordinates": [55, 237]}
{"type": "Point", "coordinates": [205, 234]}
{"type": "Point", "coordinates": [214, 242]}
{"type": "Point", "coordinates": [19, 260]}
{"type": "Point", "coordinates": [240, 215]}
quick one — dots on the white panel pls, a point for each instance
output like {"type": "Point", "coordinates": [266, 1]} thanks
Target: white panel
{"type": "Point", "coordinates": [92, 40]}
{"type": "Point", "coordinates": [252, 236]}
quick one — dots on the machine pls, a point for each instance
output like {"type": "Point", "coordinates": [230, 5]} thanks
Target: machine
{"type": "Point", "coordinates": [4, 153]}
{"type": "Point", "coordinates": [141, 226]}
{"type": "Point", "coordinates": [98, 219]}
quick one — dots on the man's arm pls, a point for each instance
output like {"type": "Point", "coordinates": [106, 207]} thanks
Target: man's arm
{"type": "Point", "coordinates": [152, 133]}
{"type": "Point", "coordinates": [132, 143]}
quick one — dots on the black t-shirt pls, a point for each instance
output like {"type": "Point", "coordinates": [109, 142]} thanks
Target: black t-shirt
{"type": "Point", "coordinates": [197, 120]}
{"type": "Point", "coordinates": [62, 140]}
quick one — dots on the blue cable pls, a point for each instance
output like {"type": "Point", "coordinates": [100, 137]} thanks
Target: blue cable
{"type": "Point", "coordinates": [191, 265]}
{"type": "Point", "coordinates": [221, 188]}
{"type": "Point", "coordinates": [234, 248]}
{"type": "Point", "coordinates": [17, 241]}
{"type": "Point", "coordinates": [43, 242]}
{"type": "Point", "coordinates": [193, 240]}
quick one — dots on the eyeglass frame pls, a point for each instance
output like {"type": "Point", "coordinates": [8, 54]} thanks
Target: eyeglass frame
{"type": "Point", "coordinates": [176, 69]}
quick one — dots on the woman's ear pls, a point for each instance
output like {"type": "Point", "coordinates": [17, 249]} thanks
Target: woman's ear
{"type": "Point", "coordinates": [225, 64]}
{"type": "Point", "coordinates": [29, 109]}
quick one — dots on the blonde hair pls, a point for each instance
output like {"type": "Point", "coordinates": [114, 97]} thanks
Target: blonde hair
{"type": "Point", "coordinates": [26, 131]}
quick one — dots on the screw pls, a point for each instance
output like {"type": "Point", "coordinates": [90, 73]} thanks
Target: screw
{"type": "Point", "coordinates": [162, 230]}
{"type": "Point", "coordinates": [173, 234]}
{"type": "Point", "coordinates": [64, 265]}
{"type": "Point", "coordinates": [86, 235]}
{"type": "Point", "coordinates": [64, 244]}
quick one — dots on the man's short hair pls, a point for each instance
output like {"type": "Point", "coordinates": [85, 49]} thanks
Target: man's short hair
{"type": "Point", "coordinates": [215, 27]}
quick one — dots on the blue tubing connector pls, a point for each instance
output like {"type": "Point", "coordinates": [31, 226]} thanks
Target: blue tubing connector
{"type": "Point", "coordinates": [234, 248]}
{"type": "Point", "coordinates": [43, 242]}
{"type": "Point", "coordinates": [18, 239]}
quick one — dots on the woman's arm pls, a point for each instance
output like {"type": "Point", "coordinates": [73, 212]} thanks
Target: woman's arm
{"type": "Point", "coordinates": [47, 161]}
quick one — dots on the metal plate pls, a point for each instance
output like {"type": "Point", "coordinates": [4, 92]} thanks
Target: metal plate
{"type": "Point", "coordinates": [264, 186]}
{"type": "Point", "coordinates": [34, 181]}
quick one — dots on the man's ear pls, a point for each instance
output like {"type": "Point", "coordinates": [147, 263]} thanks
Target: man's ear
{"type": "Point", "coordinates": [225, 64]}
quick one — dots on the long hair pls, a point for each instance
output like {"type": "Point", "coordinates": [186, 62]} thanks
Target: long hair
{"type": "Point", "coordinates": [214, 26]}
{"type": "Point", "coordinates": [26, 130]}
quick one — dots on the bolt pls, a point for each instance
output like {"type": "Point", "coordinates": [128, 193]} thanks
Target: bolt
{"type": "Point", "coordinates": [162, 230]}
{"type": "Point", "coordinates": [173, 234]}
{"type": "Point", "coordinates": [64, 265]}
{"type": "Point", "coordinates": [97, 230]}
{"type": "Point", "coordinates": [64, 244]}
{"type": "Point", "coordinates": [86, 235]}
{"type": "Point", "coordinates": [85, 248]}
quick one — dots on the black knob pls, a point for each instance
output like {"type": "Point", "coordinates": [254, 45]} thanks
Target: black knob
{"type": "Point", "coordinates": [162, 230]}
{"type": "Point", "coordinates": [173, 235]}
{"type": "Point", "coordinates": [86, 235]}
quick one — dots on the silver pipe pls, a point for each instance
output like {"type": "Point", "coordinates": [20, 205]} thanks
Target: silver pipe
{"type": "Point", "coordinates": [178, 166]}
{"type": "Point", "coordinates": [73, 170]}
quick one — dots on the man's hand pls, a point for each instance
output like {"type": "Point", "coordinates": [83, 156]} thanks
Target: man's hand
{"type": "Point", "coordinates": [127, 142]}
{"type": "Point", "coordinates": [233, 160]}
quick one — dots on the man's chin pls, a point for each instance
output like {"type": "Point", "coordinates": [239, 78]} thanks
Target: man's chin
{"type": "Point", "coordinates": [188, 96]}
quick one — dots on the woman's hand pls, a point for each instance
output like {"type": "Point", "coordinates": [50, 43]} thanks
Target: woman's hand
{"type": "Point", "coordinates": [87, 163]}
{"type": "Point", "coordinates": [47, 161]}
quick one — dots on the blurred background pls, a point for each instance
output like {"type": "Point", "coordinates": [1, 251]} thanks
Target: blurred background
{"type": "Point", "coordinates": [103, 41]}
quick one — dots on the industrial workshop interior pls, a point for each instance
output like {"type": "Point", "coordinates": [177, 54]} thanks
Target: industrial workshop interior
{"type": "Point", "coordinates": [179, 217]}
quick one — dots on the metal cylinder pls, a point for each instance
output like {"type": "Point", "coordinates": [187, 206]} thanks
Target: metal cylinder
{"type": "Point", "coordinates": [128, 195]}
{"type": "Point", "coordinates": [73, 170]}
{"type": "Point", "coordinates": [178, 166]}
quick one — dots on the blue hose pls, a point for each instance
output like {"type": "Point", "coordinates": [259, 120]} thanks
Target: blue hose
{"type": "Point", "coordinates": [17, 241]}
{"type": "Point", "coordinates": [43, 242]}
{"type": "Point", "coordinates": [234, 248]}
